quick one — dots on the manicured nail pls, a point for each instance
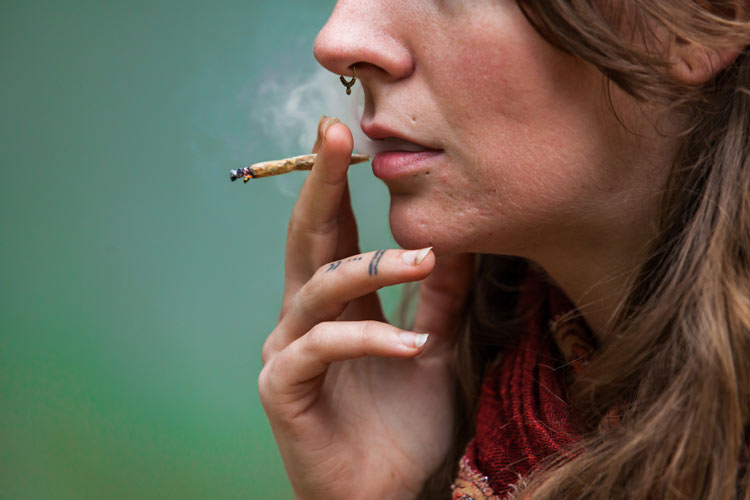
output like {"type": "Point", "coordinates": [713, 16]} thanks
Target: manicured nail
{"type": "Point", "coordinates": [414, 340]}
{"type": "Point", "coordinates": [422, 254]}
{"type": "Point", "coordinates": [415, 257]}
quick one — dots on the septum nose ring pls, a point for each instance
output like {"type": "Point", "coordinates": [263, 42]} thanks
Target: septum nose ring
{"type": "Point", "coordinates": [349, 84]}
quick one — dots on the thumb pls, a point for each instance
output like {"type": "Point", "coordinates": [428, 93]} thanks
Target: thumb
{"type": "Point", "coordinates": [443, 294]}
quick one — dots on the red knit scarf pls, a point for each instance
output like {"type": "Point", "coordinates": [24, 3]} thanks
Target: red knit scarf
{"type": "Point", "coordinates": [522, 416]}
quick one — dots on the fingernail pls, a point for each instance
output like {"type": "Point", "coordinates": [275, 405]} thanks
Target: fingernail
{"type": "Point", "coordinates": [319, 139]}
{"type": "Point", "coordinates": [415, 257]}
{"type": "Point", "coordinates": [414, 340]}
{"type": "Point", "coordinates": [422, 254]}
{"type": "Point", "coordinates": [329, 121]}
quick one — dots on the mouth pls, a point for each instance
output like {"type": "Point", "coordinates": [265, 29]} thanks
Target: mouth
{"type": "Point", "coordinates": [392, 165]}
{"type": "Point", "coordinates": [397, 144]}
{"type": "Point", "coordinates": [398, 156]}
{"type": "Point", "coordinates": [386, 139]}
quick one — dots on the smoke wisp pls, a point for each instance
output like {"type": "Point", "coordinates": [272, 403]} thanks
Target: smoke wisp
{"type": "Point", "coordinates": [290, 111]}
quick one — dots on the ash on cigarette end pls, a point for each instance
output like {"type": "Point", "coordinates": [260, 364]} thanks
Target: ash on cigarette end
{"type": "Point", "coordinates": [237, 173]}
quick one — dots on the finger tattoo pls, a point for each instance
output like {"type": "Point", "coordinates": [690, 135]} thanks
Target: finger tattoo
{"type": "Point", "coordinates": [375, 261]}
{"type": "Point", "coordinates": [335, 265]}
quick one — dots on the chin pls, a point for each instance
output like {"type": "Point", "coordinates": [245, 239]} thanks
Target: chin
{"type": "Point", "coordinates": [413, 227]}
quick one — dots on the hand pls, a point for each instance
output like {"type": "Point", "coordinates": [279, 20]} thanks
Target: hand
{"type": "Point", "coordinates": [359, 408]}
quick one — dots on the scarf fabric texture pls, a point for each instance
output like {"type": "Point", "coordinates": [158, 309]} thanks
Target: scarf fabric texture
{"type": "Point", "coordinates": [522, 415]}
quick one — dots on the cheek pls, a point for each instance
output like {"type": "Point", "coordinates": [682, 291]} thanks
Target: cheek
{"type": "Point", "coordinates": [529, 135]}
{"type": "Point", "coordinates": [526, 118]}
{"type": "Point", "coordinates": [497, 65]}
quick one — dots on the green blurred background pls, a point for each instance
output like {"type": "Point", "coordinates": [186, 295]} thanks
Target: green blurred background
{"type": "Point", "coordinates": [138, 283]}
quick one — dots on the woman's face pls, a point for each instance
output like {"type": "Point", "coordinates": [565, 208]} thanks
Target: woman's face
{"type": "Point", "coordinates": [524, 150]}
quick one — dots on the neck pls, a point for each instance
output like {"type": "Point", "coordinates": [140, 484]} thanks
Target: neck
{"type": "Point", "coordinates": [596, 256]}
{"type": "Point", "coordinates": [597, 287]}
{"type": "Point", "coordinates": [596, 266]}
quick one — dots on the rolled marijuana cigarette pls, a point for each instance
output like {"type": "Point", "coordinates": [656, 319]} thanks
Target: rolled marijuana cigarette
{"type": "Point", "coordinates": [277, 167]}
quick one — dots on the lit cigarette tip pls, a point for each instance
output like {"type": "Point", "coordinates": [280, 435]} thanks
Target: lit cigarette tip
{"type": "Point", "coordinates": [238, 173]}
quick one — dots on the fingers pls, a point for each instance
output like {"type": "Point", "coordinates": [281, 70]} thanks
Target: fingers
{"type": "Point", "coordinates": [443, 294]}
{"type": "Point", "coordinates": [314, 227]}
{"type": "Point", "coordinates": [292, 373]}
{"type": "Point", "coordinates": [333, 286]}
{"type": "Point", "coordinates": [348, 237]}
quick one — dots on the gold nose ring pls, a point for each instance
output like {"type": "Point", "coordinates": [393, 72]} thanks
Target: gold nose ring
{"type": "Point", "coordinates": [349, 84]}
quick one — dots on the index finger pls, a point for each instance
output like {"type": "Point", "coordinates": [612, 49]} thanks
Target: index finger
{"type": "Point", "coordinates": [313, 226]}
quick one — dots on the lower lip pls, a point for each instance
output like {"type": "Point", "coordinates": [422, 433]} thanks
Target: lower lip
{"type": "Point", "coordinates": [395, 164]}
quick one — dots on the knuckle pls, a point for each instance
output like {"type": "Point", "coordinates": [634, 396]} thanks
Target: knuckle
{"type": "Point", "coordinates": [280, 366]}
{"type": "Point", "coordinates": [317, 338]}
{"type": "Point", "coordinates": [326, 276]}
{"type": "Point", "coordinates": [316, 300]}
{"type": "Point", "coordinates": [264, 385]}
{"type": "Point", "coordinates": [307, 302]}
{"type": "Point", "coordinates": [368, 334]}
{"type": "Point", "coordinates": [266, 352]}
{"type": "Point", "coordinates": [321, 271]}
{"type": "Point", "coordinates": [271, 345]}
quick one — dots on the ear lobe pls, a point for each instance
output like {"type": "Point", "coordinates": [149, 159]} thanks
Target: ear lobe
{"type": "Point", "coordinates": [695, 64]}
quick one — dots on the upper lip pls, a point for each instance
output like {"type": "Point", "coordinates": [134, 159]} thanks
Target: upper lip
{"type": "Point", "coordinates": [377, 131]}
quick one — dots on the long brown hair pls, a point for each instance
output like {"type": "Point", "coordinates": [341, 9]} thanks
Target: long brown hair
{"type": "Point", "coordinates": [676, 359]}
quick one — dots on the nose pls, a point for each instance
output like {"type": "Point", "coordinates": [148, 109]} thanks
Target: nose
{"type": "Point", "coordinates": [367, 34]}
